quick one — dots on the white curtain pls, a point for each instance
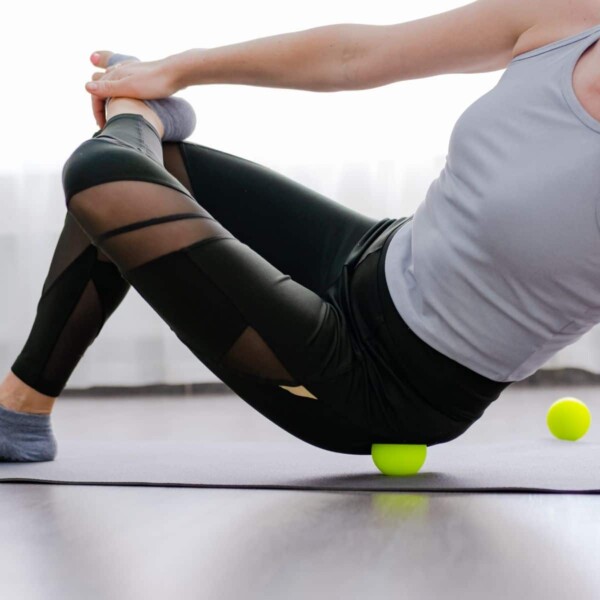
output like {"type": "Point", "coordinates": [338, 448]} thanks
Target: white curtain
{"type": "Point", "coordinates": [136, 347]}
{"type": "Point", "coordinates": [374, 150]}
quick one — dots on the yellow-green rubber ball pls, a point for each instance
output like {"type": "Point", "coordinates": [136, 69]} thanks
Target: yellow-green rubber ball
{"type": "Point", "coordinates": [568, 419]}
{"type": "Point", "coordinates": [398, 459]}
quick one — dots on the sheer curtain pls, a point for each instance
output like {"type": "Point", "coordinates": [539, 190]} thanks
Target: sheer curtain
{"type": "Point", "coordinates": [136, 347]}
{"type": "Point", "coordinates": [375, 150]}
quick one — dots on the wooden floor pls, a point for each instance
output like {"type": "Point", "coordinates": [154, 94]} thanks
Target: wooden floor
{"type": "Point", "coordinates": [93, 542]}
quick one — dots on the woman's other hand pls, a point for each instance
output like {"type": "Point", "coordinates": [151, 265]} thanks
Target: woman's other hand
{"type": "Point", "coordinates": [130, 79]}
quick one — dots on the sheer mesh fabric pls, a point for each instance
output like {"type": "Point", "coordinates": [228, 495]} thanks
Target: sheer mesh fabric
{"type": "Point", "coordinates": [84, 286]}
{"type": "Point", "coordinates": [81, 290]}
{"type": "Point", "coordinates": [249, 353]}
{"type": "Point", "coordinates": [135, 223]}
{"type": "Point", "coordinates": [173, 162]}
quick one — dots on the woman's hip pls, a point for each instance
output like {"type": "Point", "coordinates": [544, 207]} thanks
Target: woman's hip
{"type": "Point", "coordinates": [432, 398]}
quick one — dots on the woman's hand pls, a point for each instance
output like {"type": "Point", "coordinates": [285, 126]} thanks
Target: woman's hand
{"type": "Point", "coordinates": [131, 79]}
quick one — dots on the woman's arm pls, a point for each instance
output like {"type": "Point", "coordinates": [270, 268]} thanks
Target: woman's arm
{"type": "Point", "coordinates": [476, 37]}
{"type": "Point", "coordinates": [321, 59]}
{"type": "Point", "coordinates": [473, 38]}
{"type": "Point", "coordinates": [318, 59]}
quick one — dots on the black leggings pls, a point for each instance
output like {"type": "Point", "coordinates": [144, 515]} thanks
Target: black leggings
{"type": "Point", "coordinates": [277, 289]}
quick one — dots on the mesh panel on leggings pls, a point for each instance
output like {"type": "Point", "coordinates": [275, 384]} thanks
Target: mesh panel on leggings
{"type": "Point", "coordinates": [173, 161]}
{"type": "Point", "coordinates": [80, 291]}
{"type": "Point", "coordinates": [136, 223]}
{"type": "Point", "coordinates": [248, 354]}
{"type": "Point", "coordinates": [71, 244]}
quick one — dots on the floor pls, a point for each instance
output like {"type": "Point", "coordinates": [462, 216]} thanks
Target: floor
{"type": "Point", "coordinates": [95, 543]}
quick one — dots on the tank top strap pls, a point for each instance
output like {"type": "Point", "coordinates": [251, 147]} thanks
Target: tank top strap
{"type": "Point", "coordinates": [594, 32]}
{"type": "Point", "coordinates": [566, 78]}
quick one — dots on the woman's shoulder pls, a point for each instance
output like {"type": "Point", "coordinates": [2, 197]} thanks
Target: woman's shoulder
{"type": "Point", "coordinates": [557, 19]}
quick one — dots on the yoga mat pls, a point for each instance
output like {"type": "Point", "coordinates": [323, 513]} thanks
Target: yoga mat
{"type": "Point", "coordinates": [536, 465]}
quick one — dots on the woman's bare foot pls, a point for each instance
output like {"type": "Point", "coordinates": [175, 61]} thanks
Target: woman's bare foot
{"type": "Point", "coordinates": [15, 394]}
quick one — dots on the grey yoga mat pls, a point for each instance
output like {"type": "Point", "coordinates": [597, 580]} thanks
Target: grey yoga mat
{"type": "Point", "coordinates": [533, 465]}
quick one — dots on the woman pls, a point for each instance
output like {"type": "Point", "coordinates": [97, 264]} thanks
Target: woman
{"type": "Point", "coordinates": [343, 330]}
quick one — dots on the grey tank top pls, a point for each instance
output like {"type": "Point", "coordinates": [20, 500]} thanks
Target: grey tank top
{"type": "Point", "coordinates": [499, 267]}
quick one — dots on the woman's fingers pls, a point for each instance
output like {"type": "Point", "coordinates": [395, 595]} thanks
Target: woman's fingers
{"type": "Point", "coordinates": [121, 63]}
{"type": "Point", "coordinates": [113, 82]}
{"type": "Point", "coordinates": [98, 104]}
{"type": "Point", "coordinates": [134, 79]}
{"type": "Point", "coordinates": [103, 85]}
{"type": "Point", "coordinates": [99, 75]}
{"type": "Point", "coordinates": [105, 88]}
{"type": "Point", "coordinates": [98, 107]}
{"type": "Point", "coordinates": [100, 58]}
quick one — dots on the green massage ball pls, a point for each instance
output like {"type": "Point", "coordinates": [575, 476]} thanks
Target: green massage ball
{"type": "Point", "coordinates": [568, 419]}
{"type": "Point", "coordinates": [398, 459]}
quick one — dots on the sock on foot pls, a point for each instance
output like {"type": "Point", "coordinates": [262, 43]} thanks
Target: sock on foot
{"type": "Point", "coordinates": [177, 115]}
{"type": "Point", "coordinates": [25, 437]}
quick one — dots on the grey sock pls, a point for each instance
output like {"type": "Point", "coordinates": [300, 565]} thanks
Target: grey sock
{"type": "Point", "coordinates": [177, 115]}
{"type": "Point", "coordinates": [25, 437]}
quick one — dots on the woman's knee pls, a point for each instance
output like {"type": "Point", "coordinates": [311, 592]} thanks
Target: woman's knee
{"type": "Point", "coordinates": [102, 160]}
{"type": "Point", "coordinates": [92, 163]}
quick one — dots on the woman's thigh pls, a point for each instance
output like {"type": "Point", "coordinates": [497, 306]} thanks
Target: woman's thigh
{"type": "Point", "coordinates": [359, 398]}
{"type": "Point", "coordinates": [298, 230]}
{"type": "Point", "coordinates": [308, 237]}
{"type": "Point", "coordinates": [291, 353]}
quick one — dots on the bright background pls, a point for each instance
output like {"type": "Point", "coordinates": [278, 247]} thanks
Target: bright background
{"type": "Point", "coordinates": [376, 151]}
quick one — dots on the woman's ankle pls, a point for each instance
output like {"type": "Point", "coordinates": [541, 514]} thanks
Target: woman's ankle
{"type": "Point", "coordinates": [117, 106]}
{"type": "Point", "coordinates": [16, 395]}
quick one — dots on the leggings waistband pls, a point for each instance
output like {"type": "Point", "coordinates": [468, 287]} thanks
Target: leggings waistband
{"type": "Point", "coordinates": [450, 387]}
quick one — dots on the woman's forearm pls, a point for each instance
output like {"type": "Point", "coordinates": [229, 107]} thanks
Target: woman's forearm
{"type": "Point", "coordinates": [322, 59]}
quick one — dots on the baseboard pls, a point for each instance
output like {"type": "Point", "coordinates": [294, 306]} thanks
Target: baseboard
{"type": "Point", "coordinates": [543, 377]}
